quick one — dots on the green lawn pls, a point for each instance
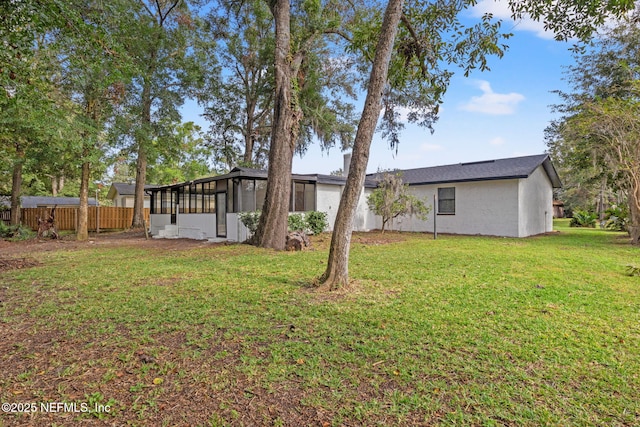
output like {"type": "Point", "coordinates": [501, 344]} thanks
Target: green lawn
{"type": "Point", "coordinates": [454, 331]}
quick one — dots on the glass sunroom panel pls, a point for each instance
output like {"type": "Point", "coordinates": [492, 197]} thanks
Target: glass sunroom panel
{"type": "Point", "coordinates": [194, 199]}
{"type": "Point", "coordinates": [298, 200]}
{"type": "Point", "coordinates": [208, 198]}
{"type": "Point", "coordinates": [247, 196]}
{"type": "Point", "coordinates": [184, 199]}
{"type": "Point", "coordinates": [261, 192]}
{"type": "Point", "coordinates": [309, 197]}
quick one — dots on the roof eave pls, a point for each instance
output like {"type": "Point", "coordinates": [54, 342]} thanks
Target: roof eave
{"type": "Point", "coordinates": [547, 164]}
{"type": "Point", "coordinates": [456, 181]}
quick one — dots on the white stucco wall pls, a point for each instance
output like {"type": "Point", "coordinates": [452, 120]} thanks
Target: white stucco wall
{"type": "Point", "coordinates": [484, 207]}
{"type": "Point", "coordinates": [157, 222]}
{"type": "Point", "coordinates": [371, 220]}
{"type": "Point", "coordinates": [197, 226]}
{"type": "Point", "coordinates": [236, 231]}
{"type": "Point", "coordinates": [328, 200]}
{"type": "Point", "coordinates": [536, 204]}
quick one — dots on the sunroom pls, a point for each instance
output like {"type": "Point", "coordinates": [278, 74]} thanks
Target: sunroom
{"type": "Point", "coordinates": [208, 208]}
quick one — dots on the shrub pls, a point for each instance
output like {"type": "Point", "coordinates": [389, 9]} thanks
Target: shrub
{"type": "Point", "coordinates": [316, 221]}
{"type": "Point", "coordinates": [297, 222]}
{"type": "Point", "coordinates": [15, 232]}
{"type": "Point", "coordinates": [392, 199]}
{"type": "Point", "coordinates": [250, 220]}
{"type": "Point", "coordinates": [616, 218]}
{"type": "Point", "coordinates": [583, 219]}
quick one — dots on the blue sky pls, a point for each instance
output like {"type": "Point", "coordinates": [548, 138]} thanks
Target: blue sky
{"type": "Point", "coordinates": [492, 114]}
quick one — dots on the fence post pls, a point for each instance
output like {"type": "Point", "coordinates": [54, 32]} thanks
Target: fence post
{"type": "Point", "coordinates": [435, 215]}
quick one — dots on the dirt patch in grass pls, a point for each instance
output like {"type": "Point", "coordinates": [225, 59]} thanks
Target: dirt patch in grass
{"type": "Point", "coordinates": [170, 381]}
{"type": "Point", "coordinates": [17, 263]}
{"type": "Point", "coordinates": [370, 238]}
{"type": "Point", "coordinates": [138, 239]}
{"type": "Point", "coordinates": [322, 293]}
{"type": "Point", "coordinates": [377, 238]}
{"type": "Point", "coordinates": [112, 239]}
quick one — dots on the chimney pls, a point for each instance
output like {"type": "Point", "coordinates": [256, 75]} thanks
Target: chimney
{"type": "Point", "coordinates": [347, 163]}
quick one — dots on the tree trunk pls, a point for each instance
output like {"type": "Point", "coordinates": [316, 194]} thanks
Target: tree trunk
{"type": "Point", "coordinates": [337, 272]}
{"type": "Point", "coordinates": [249, 133]}
{"type": "Point", "coordinates": [272, 227]}
{"type": "Point", "coordinates": [141, 162]}
{"type": "Point", "coordinates": [141, 177]}
{"type": "Point", "coordinates": [247, 158]}
{"type": "Point", "coordinates": [54, 186]}
{"type": "Point", "coordinates": [57, 184]}
{"type": "Point", "coordinates": [634, 214]}
{"type": "Point", "coordinates": [83, 210]}
{"type": "Point", "coordinates": [16, 187]}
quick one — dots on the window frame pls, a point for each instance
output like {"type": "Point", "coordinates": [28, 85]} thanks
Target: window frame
{"type": "Point", "coordinates": [443, 197]}
{"type": "Point", "coordinates": [308, 189]}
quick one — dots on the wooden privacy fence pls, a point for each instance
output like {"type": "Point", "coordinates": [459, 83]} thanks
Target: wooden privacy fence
{"type": "Point", "coordinates": [67, 218]}
{"type": "Point", "coordinates": [5, 216]}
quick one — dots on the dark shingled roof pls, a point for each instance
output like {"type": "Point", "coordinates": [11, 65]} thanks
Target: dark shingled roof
{"type": "Point", "coordinates": [243, 172]}
{"type": "Point", "coordinates": [342, 180]}
{"type": "Point", "coordinates": [35, 201]}
{"type": "Point", "coordinates": [125, 189]}
{"type": "Point", "coordinates": [512, 168]}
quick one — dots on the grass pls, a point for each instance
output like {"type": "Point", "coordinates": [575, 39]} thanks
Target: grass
{"type": "Point", "coordinates": [454, 331]}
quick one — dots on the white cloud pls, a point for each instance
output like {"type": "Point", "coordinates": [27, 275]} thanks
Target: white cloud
{"type": "Point", "coordinates": [493, 103]}
{"type": "Point", "coordinates": [500, 9]}
{"type": "Point", "coordinates": [497, 141]}
{"type": "Point", "coordinates": [431, 147]}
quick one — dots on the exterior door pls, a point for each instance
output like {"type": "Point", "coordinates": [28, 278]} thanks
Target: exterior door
{"type": "Point", "coordinates": [173, 206]}
{"type": "Point", "coordinates": [221, 214]}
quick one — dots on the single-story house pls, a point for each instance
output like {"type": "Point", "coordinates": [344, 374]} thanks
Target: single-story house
{"type": "Point", "coordinates": [50, 202]}
{"type": "Point", "coordinates": [123, 194]}
{"type": "Point", "coordinates": [208, 208]}
{"type": "Point", "coordinates": [505, 197]}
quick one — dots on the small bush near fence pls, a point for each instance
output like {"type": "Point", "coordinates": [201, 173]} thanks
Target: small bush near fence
{"type": "Point", "coordinates": [15, 232]}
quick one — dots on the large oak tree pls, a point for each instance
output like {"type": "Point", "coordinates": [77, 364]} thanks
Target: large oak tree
{"type": "Point", "coordinates": [159, 39]}
{"type": "Point", "coordinates": [304, 73]}
{"type": "Point", "coordinates": [598, 136]}
{"type": "Point", "coordinates": [423, 50]}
